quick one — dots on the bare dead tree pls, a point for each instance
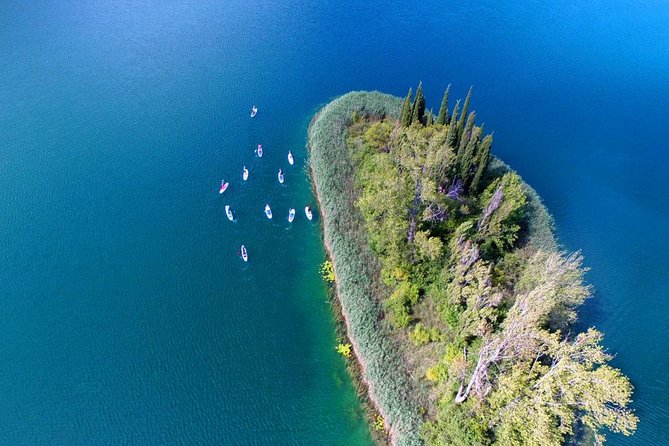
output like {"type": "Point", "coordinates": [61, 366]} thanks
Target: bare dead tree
{"type": "Point", "coordinates": [523, 334]}
{"type": "Point", "coordinates": [435, 213]}
{"type": "Point", "coordinates": [455, 190]}
{"type": "Point", "coordinates": [492, 206]}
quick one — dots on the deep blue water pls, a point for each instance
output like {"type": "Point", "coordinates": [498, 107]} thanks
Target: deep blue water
{"type": "Point", "coordinates": [125, 314]}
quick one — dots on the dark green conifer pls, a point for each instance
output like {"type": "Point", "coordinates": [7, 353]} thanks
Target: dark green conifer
{"type": "Point", "coordinates": [418, 114]}
{"type": "Point", "coordinates": [454, 116]}
{"type": "Point", "coordinates": [483, 158]}
{"type": "Point", "coordinates": [465, 135]}
{"type": "Point", "coordinates": [443, 110]}
{"type": "Point", "coordinates": [465, 108]}
{"type": "Point", "coordinates": [468, 157]}
{"type": "Point", "coordinates": [429, 119]}
{"type": "Point", "coordinates": [405, 116]}
{"type": "Point", "coordinates": [453, 134]}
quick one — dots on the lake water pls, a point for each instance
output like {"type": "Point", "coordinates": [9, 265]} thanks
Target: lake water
{"type": "Point", "coordinates": [127, 316]}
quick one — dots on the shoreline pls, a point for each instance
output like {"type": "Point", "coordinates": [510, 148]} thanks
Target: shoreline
{"type": "Point", "coordinates": [355, 368]}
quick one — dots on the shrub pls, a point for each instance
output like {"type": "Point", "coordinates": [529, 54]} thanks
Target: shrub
{"type": "Point", "coordinates": [450, 314]}
{"type": "Point", "coordinates": [344, 350]}
{"type": "Point", "coordinates": [421, 335]}
{"type": "Point", "coordinates": [327, 271]}
{"type": "Point", "coordinates": [455, 426]}
{"type": "Point", "coordinates": [378, 423]}
{"type": "Point", "coordinates": [400, 303]}
{"type": "Point", "coordinates": [437, 373]}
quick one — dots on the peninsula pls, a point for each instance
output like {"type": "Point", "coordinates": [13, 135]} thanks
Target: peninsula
{"type": "Point", "coordinates": [457, 301]}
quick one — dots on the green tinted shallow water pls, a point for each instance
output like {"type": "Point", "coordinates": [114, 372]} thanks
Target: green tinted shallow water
{"type": "Point", "coordinates": [126, 316]}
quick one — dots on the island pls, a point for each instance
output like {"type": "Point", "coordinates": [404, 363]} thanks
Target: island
{"type": "Point", "coordinates": [458, 304]}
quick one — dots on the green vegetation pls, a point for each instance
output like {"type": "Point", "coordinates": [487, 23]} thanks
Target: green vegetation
{"type": "Point", "coordinates": [448, 271]}
{"type": "Point", "coordinates": [327, 271]}
{"type": "Point", "coordinates": [442, 117]}
{"type": "Point", "coordinates": [378, 423]}
{"type": "Point", "coordinates": [344, 350]}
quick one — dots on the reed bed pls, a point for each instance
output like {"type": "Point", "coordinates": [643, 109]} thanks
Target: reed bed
{"type": "Point", "coordinates": [356, 267]}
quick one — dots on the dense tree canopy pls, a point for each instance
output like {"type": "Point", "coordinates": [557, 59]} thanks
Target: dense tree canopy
{"type": "Point", "coordinates": [446, 229]}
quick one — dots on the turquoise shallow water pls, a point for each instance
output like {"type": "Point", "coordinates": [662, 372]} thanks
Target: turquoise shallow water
{"type": "Point", "coordinates": [126, 315]}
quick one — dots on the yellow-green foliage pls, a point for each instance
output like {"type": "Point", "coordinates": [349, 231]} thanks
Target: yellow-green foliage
{"type": "Point", "coordinates": [437, 373]}
{"type": "Point", "coordinates": [327, 271]}
{"type": "Point", "coordinates": [452, 364]}
{"type": "Point", "coordinates": [344, 350]}
{"type": "Point", "coordinates": [429, 248]}
{"type": "Point", "coordinates": [377, 136]}
{"type": "Point", "coordinates": [421, 335]}
{"type": "Point", "coordinates": [393, 276]}
{"type": "Point", "coordinates": [456, 425]}
{"type": "Point", "coordinates": [378, 423]}
{"type": "Point", "coordinates": [400, 302]}
{"type": "Point", "coordinates": [452, 354]}
{"type": "Point", "coordinates": [542, 407]}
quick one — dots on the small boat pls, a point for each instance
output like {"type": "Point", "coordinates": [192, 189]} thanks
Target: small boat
{"type": "Point", "coordinates": [291, 215]}
{"type": "Point", "coordinates": [291, 161]}
{"type": "Point", "coordinates": [280, 176]}
{"type": "Point", "coordinates": [245, 174]}
{"type": "Point", "coordinates": [268, 211]}
{"type": "Point", "coordinates": [254, 111]}
{"type": "Point", "coordinates": [245, 255]}
{"type": "Point", "coordinates": [228, 212]}
{"type": "Point", "coordinates": [259, 151]}
{"type": "Point", "coordinates": [224, 186]}
{"type": "Point", "coordinates": [307, 211]}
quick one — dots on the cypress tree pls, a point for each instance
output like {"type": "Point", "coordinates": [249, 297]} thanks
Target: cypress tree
{"type": "Point", "coordinates": [452, 136]}
{"type": "Point", "coordinates": [405, 116]}
{"type": "Point", "coordinates": [418, 114]}
{"type": "Point", "coordinates": [466, 134]}
{"type": "Point", "coordinates": [465, 108]}
{"type": "Point", "coordinates": [443, 110]}
{"type": "Point", "coordinates": [469, 154]}
{"type": "Point", "coordinates": [482, 162]}
{"type": "Point", "coordinates": [454, 117]}
{"type": "Point", "coordinates": [429, 120]}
